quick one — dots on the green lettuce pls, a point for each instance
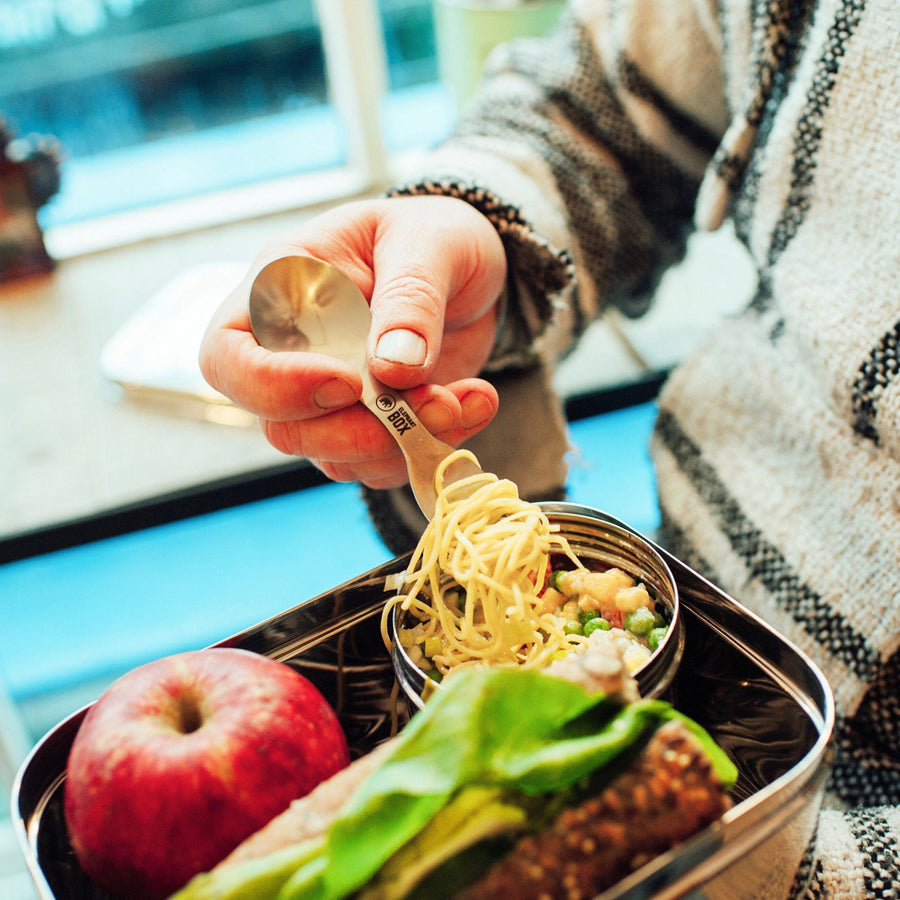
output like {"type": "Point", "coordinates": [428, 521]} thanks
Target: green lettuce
{"type": "Point", "coordinates": [473, 815]}
{"type": "Point", "coordinates": [495, 728]}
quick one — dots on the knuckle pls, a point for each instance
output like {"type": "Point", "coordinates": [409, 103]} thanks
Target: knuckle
{"type": "Point", "coordinates": [413, 288]}
{"type": "Point", "coordinates": [276, 433]}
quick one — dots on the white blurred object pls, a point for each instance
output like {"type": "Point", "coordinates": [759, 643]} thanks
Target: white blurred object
{"type": "Point", "coordinates": [153, 356]}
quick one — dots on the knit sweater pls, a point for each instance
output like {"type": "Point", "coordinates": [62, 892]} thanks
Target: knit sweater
{"type": "Point", "coordinates": [777, 447]}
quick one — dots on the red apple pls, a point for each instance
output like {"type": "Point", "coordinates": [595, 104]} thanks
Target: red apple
{"type": "Point", "coordinates": [184, 757]}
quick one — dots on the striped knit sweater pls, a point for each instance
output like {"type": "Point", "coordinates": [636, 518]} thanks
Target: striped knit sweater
{"type": "Point", "coordinates": [777, 446]}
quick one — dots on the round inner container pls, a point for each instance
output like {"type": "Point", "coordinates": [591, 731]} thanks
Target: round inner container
{"type": "Point", "coordinates": [601, 544]}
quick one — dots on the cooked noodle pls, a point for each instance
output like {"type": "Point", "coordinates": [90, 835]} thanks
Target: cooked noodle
{"type": "Point", "coordinates": [475, 577]}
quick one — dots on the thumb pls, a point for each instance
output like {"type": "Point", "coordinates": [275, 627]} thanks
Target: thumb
{"type": "Point", "coordinates": [408, 314]}
{"type": "Point", "coordinates": [438, 272]}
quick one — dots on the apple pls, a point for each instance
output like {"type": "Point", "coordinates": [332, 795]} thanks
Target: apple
{"type": "Point", "coordinates": [183, 758]}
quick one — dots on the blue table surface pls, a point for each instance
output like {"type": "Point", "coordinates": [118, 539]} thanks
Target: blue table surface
{"type": "Point", "coordinates": [104, 607]}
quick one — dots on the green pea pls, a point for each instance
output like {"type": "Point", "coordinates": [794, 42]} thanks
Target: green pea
{"type": "Point", "coordinates": [573, 628]}
{"type": "Point", "coordinates": [655, 638]}
{"type": "Point", "coordinates": [587, 614]}
{"type": "Point", "coordinates": [595, 624]}
{"type": "Point", "coordinates": [658, 620]}
{"type": "Point", "coordinates": [639, 622]}
{"type": "Point", "coordinates": [553, 580]}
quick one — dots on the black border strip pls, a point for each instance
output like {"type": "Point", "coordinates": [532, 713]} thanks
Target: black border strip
{"type": "Point", "coordinates": [256, 485]}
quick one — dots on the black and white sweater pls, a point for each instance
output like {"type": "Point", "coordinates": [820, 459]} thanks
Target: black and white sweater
{"type": "Point", "coordinates": [777, 447]}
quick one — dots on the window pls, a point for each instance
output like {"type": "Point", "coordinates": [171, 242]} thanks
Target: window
{"type": "Point", "coordinates": [156, 101]}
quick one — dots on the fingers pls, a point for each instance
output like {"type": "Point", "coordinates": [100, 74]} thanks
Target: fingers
{"type": "Point", "coordinates": [428, 264]}
{"type": "Point", "coordinates": [353, 445]}
{"type": "Point", "coordinates": [478, 404]}
{"type": "Point", "coordinates": [278, 385]}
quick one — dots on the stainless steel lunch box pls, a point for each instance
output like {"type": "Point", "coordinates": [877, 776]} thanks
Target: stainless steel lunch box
{"type": "Point", "coordinates": [763, 700]}
{"type": "Point", "coordinates": [607, 544]}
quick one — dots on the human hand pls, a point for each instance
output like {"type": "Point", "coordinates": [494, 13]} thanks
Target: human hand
{"type": "Point", "coordinates": [432, 269]}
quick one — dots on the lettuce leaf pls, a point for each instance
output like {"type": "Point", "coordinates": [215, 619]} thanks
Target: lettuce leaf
{"type": "Point", "coordinates": [473, 815]}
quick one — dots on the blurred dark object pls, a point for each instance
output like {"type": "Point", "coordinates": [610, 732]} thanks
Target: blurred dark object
{"type": "Point", "coordinates": [29, 177]}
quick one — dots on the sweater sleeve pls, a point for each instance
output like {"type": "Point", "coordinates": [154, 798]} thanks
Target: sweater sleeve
{"type": "Point", "coordinates": [586, 150]}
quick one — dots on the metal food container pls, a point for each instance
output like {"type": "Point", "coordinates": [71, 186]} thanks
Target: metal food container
{"type": "Point", "coordinates": [762, 700]}
{"type": "Point", "coordinates": [598, 544]}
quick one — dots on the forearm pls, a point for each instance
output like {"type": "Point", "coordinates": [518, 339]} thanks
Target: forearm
{"type": "Point", "coordinates": [588, 172]}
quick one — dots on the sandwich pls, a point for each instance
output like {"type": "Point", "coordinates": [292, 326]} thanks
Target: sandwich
{"type": "Point", "coordinates": [510, 783]}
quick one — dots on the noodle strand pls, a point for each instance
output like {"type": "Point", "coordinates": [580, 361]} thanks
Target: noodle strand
{"type": "Point", "coordinates": [475, 576]}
